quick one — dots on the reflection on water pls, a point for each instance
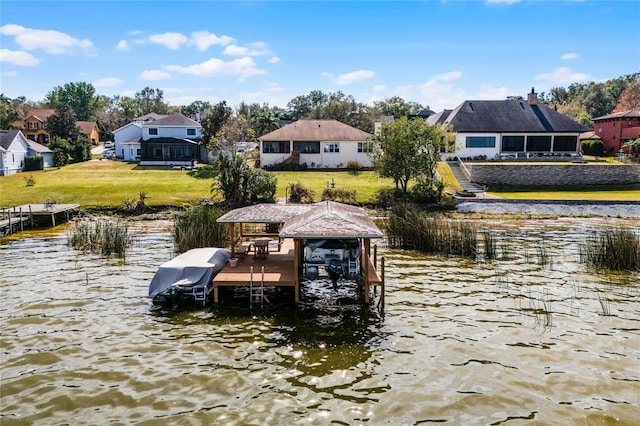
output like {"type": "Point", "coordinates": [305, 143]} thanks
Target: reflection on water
{"type": "Point", "coordinates": [515, 340]}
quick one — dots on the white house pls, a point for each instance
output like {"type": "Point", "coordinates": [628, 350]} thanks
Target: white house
{"type": "Point", "coordinates": [128, 137]}
{"type": "Point", "coordinates": [159, 140]}
{"type": "Point", "coordinates": [511, 128]}
{"type": "Point", "coordinates": [14, 147]}
{"type": "Point", "coordinates": [316, 143]}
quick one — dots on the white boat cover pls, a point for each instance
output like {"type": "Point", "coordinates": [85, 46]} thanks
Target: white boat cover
{"type": "Point", "coordinates": [194, 267]}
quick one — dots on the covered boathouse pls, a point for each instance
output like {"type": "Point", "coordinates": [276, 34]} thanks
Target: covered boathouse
{"type": "Point", "coordinates": [280, 245]}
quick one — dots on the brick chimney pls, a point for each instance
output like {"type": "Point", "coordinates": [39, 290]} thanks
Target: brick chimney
{"type": "Point", "coordinates": [532, 97]}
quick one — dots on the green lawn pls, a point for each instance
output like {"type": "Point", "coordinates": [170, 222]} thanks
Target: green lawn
{"type": "Point", "coordinates": [106, 183]}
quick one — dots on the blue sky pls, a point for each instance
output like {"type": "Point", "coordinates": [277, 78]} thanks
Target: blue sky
{"type": "Point", "coordinates": [437, 53]}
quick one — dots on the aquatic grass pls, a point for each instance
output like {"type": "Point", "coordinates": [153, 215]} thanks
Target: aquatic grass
{"type": "Point", "coordinates": [615, 249]}
{"type": "Point", "coordinates": [543, 254]}
{"type": "Point", "coordinates": [103, 236]}
{"type": "Point", "coordinates": [198, 227]}
{"type": "Point", "coordinates": [414, 230]}
{"type": "Point", "coordinates": [489, 244]}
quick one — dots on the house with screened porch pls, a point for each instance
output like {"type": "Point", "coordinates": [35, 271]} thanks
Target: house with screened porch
{"type": "Point", "coordinates": [511, 128]}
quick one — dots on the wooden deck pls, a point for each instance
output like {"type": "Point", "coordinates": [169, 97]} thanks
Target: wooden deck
{"type": "Point", "coordinates": [20, 217]}
{"type": "Point", "coordinates": [279, 271]}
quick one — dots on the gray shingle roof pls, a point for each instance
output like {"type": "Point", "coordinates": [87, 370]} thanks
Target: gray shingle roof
{"type": "Point", "coordinates": [510, 116]}
{"type": "Point", "coordinates": [264, 213]}
{"type": "Point", "coordinates": [7, 136]}
{"type": "Point", "coordinates": [178, 120]}
{"type": "Point", "coordinates": [634, 113]}
{"type": "Point", "coordinates": [316, 130]}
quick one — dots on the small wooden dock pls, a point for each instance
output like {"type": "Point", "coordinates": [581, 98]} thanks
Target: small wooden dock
{"type": "Point", "coordinates": [279, 271]}
{"type": "Point", "coordinates": [19, 217]}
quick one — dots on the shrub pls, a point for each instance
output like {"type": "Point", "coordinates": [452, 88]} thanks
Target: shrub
{"type": "Point", "coordinates": [33, 163]}
{"type": "Point", "coordinates": [259, 185]}
{"type": "Point", "coordinates": [343, 195]}
{"type": "Point", "coordinates": [298, 193]}
{"type": "Point", "coordinates": [592, 147]}
{"type": "Point", "coordinates": [354, 167]}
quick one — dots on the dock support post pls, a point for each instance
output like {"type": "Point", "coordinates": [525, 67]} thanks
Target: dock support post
{"type": "Point", "coordinates": [381, 300]}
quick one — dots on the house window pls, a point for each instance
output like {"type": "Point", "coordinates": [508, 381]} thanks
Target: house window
{"type": "Point", "coordinates": [191, 132]}
{"type": "Point", "coordinates": [365, 146]}
{"type": "Point", "coordinates": [565, 143]}
{"type": "Point", "coordinates": [481, 142]}
{"type": "Point", "coordinates": [44, 125]}
{"type": "Point", "coordinates": [153, 131]}
{"type": "Point", "coordinates": [276, 147]}
{"type": "Point", "coordinates": [307, 147]}
{"type": "Point", "coordinates": [332, 147]}
{"type": "Point", "coordinates": [513, 143]}
{"type": "Point", "coordinates": [33, 125]}
{"type": "Point", "coordinates": [599, 129]}
{"type": "Point", "coordinates": [538, 143]}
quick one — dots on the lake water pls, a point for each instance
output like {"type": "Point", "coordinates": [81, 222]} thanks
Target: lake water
{"type": "Point", "coordinates": [526, 339]}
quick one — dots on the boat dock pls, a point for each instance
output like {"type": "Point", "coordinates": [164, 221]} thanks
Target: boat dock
{"type": "Point", "coordinates": [19, 217]}
{"type": "Point", "coordinates": [275, 269]}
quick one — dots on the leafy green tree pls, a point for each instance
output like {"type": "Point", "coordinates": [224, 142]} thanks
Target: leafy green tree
{"type": "Point", "coordinates": [151, 100]}
{"type": "Point", "coordinates": [303, 106]}
{"type": "Point", "coordinates": [8, 113]}
{"type": "Point", "coordinates": [194, 108]}
{"type": "Point", "coordinates": [267, 121]}
{"type": "Point", "coordinates": [213, 121]}
{"type": "Point", "coordinates": [633, 147]}
{"type": "Point", "coordinates": [258, 185]}
{"type": "Point", "coordinates": [397, 107]}
{"type": "Point", "coordinates": [407, 150]}
{"type": "Point", "coordinates": [62, 124]}
{"type": "Point", "coordinates": [241, 184]}
{"type": "Point", "coordinates": [80, 149]}
{"type": "Point", "coordinates": [81, 97]}
{"type": "Point", "coordinates": [61, 149]}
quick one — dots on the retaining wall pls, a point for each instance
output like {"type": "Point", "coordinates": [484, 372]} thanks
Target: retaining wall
{"type": "Point", "coordinates": [553, 175]}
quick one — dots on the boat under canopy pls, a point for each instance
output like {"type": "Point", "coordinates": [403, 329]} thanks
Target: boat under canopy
{"type": "Point", "coordinates": [187, 277]}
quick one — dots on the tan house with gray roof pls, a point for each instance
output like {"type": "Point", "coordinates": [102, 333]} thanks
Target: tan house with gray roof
{"type": "Point", "coordinates": [316, 143]}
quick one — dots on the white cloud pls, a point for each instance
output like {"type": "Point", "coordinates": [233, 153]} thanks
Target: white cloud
{"type": "Point", "coordinates": [438, 93]}
{"type": "Point", "coordinates": [51, 41]}
{"type": "Point", "coordinates": [214, 67]}
{"type": "Point", "coordinates": [107, 82]}
{"type": "Point", "coordinates": [169, 40]}
{"type": "Point", "coordinates": [571, 55]}
{"type": "Point", "coordinates": [489, 92]}
{"type": "Point", "coordinates": [254, 49]}
{"type": "Point", "coordinates": [563, 76]}
{"type": "Point", "coordinates": [123, 45]}
{"type": "Point", "coordinates": [379, 88]}
{"type": "Point", "coordinates": [354, 77]}
{"type": "Point", "coordinates": [348, 78]}
{"type": "Point", "coordinates": [17, 57]}
{"type": "Point", "coordinates": [203, 40]}
{"type": "Point", "coordinates": [154, 75]}
{"type": "Point", "coordinates": [274, 60]}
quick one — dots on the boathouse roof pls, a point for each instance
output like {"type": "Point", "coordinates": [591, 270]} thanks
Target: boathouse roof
{"type": "Point", "coordinates": [264, 213]}
{"type": "Point", "coordinates": [327, 219]}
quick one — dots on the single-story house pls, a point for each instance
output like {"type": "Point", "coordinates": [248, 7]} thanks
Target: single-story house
{"type": "Point", "coordinates": [511, 128]}
{"type": "Point", "coordinates": [14, 147]}
{"type": "Point", "coordinates": [316, 143]}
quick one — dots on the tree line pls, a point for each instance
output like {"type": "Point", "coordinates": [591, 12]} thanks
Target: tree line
{"type": "Point", "coordinates": [579, 101]}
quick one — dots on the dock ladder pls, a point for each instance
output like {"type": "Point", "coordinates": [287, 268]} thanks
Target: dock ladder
{"type": "Point", "coordinates": [256, 292]}
{"type": "Point", "coordinates": [200, 294]}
